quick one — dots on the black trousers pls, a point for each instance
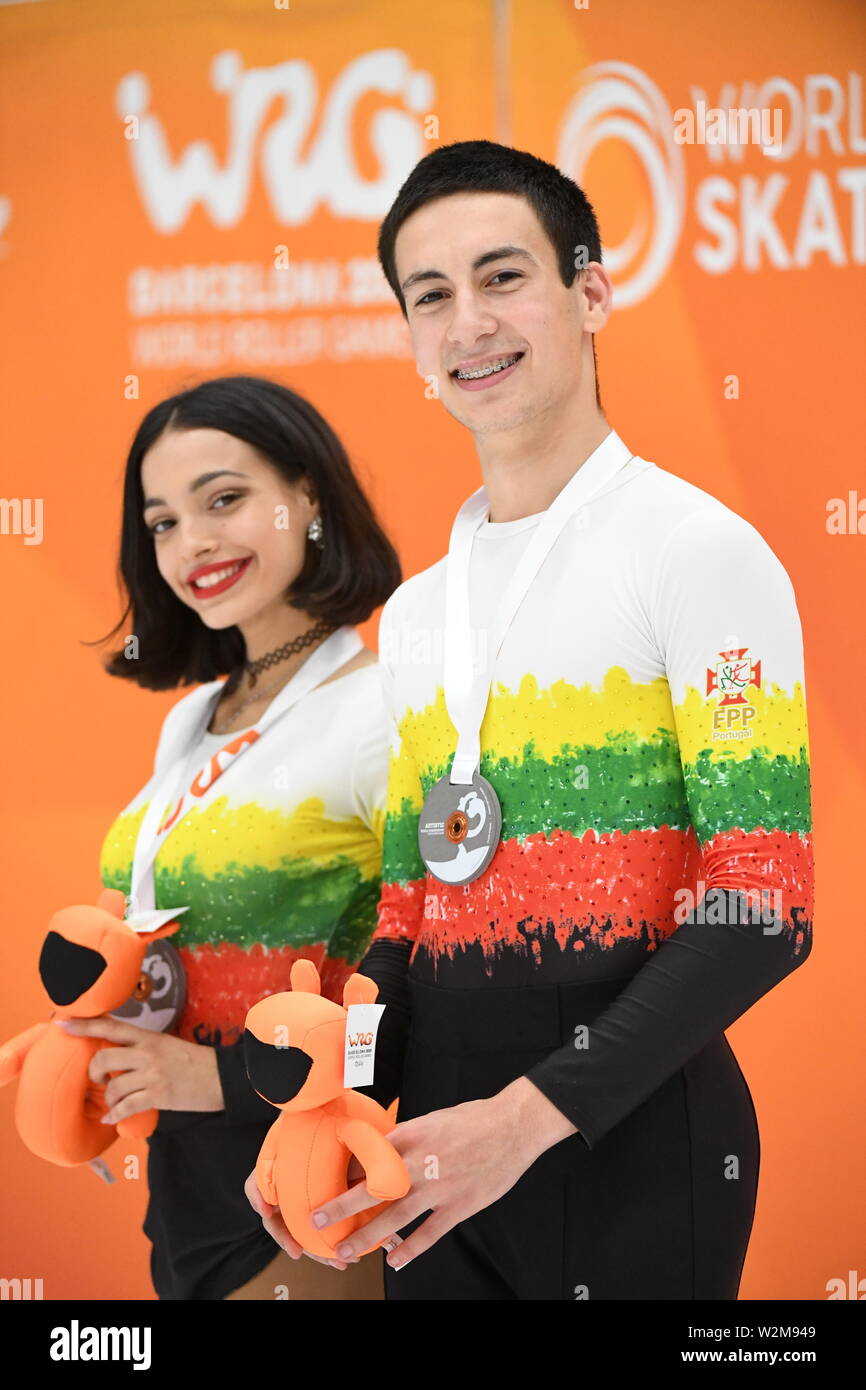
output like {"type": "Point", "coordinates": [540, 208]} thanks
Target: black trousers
{"type": "Point", "coordinates": [660, 1208]}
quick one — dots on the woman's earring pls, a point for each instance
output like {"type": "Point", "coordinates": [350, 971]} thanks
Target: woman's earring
{"type": "Point", "coordinates": [314, 531]}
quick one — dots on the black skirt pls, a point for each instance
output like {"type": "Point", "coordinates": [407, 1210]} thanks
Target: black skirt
{"type": "Point", "coordinates": [206, 1239]}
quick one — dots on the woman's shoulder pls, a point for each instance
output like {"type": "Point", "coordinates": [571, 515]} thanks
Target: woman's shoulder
{"type": "Point", "coordinates": [361, 683]}
{"type": "Point", "coordinates": [355, 705]}
{"type": "Point", "coordinates": [363, 658]}
{"type": "Point", "coordinates": [180, 717]}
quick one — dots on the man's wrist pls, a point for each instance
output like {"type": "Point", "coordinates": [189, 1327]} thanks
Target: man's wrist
{"type": "Point", "coordinates": [534, 1121]}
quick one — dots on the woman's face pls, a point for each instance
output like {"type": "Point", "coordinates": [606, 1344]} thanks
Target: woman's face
{"type": "Point", "coordinates": [248, 520]}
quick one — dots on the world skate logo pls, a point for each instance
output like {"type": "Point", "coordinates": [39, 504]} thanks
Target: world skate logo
{"type": "Point", "coordinates": [616, 100]}
{"type": "Point", "coordinates": [744, 211]}
{"type": "Point", "coordinates": [269, 115]}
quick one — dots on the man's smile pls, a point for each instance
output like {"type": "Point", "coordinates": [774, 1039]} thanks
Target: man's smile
{"type": "Point", "coordinates": [485, 372]}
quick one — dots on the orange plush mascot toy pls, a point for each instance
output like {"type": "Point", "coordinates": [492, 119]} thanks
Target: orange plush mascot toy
{"type": "Point", "coordinates": [294, 1047]}
{"type": "Point", "coordinates": [91, 962]}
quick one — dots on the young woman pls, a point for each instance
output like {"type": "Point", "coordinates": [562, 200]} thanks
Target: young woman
{"type": "Point", "coordinates": [248, 548]}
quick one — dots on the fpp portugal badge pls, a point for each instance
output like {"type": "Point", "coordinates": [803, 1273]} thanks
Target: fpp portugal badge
{"type": "Point", "coordinates": [733, 675]}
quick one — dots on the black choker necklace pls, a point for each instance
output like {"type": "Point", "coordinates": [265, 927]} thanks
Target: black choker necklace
{"type": "Point", "coordinates": [297, 644]}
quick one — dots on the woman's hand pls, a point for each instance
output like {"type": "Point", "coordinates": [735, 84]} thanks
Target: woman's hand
{"type": "Point", "coordinates": [272, 1220]}
{"type": "Point", "coordinates": [157, 1070]}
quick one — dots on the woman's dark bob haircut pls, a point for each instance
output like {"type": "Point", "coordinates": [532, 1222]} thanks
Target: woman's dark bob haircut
{"type": "Point", "coordinates": [346, 581]}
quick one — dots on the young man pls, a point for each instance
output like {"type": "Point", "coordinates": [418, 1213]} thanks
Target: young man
{"type": "Point", "coordinates": [610, 662]}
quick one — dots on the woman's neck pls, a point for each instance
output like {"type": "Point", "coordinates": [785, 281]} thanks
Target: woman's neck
{"type": "Point", "coordinates": [267, 632]}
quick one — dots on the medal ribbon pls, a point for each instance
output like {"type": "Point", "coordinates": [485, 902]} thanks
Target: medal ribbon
{"type": "Point", "coordinates": [467, 694]}
{"type": "Point", "coordinates": [328, 657]}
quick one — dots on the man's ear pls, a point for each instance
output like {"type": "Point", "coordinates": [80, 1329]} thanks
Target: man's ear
{"type": "Point", "coordinates": [598, 290]}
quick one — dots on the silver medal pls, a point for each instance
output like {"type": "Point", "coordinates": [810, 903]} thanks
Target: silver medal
{"type": "Point", "coordinates": [459, 828]}
{"type": "Point", "coordinates": [157, 1001]}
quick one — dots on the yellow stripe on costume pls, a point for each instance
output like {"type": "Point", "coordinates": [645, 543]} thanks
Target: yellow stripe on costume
{"type": "Point", "coordinates": [215, 836]}
{"type": "Point", "coordinates": [560, 715]}
{"type": "Point", "coordinates": [779, 724]}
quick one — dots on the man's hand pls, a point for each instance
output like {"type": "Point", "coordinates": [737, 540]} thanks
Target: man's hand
{"type": "Point", "coordinates": [157, 1071]}
{"type": "Point", "coordinates": [460, 1160]}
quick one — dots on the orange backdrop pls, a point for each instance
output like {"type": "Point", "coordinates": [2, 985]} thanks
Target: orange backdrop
{"type": "Point", "coordinates": [154, 158]}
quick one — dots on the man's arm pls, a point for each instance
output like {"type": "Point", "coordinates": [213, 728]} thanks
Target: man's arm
{"type": "Point", "coordinates": [725, 620]}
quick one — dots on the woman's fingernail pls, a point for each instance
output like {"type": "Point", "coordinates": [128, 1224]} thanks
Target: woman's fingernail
{"type": "Point", "coordinates": [319, 1219]}
{"type": "Point", "coordinates": [61, 1022]}
{"type": "Point", "coordinates": [345, 1252]}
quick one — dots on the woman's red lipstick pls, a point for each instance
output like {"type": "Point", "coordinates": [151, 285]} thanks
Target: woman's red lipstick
{"type": "Point", "coordinates": [224, 583]}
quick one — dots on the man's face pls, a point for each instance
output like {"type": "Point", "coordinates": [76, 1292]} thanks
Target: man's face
{"type": "Point", "coordinates": [513, 310]}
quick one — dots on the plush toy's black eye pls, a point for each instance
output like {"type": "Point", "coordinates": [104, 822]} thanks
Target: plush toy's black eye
{"type": "Point", "coordinates": [68, 970]}
{"type": "Point", "coordinates": [277, 1073]}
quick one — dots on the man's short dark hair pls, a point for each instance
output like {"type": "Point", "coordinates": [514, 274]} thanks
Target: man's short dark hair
{"type": "Point", "coordinates": [355, 572]}
{"type": "Point", "coordinates": [481, 166]}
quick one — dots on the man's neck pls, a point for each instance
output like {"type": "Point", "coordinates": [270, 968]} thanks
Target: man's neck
{"type": "Point", "coordinates": [524, 471]}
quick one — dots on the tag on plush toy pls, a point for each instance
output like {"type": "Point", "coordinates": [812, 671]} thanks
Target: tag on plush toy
{"type": "Point", "coordinates": [101, 1168]}
{"type": "Point", "coordinates": [149, 921]}
{"type": "Point", "coordinates": [362, 1025]}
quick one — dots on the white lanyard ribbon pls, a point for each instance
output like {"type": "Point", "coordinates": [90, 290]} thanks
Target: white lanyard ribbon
{"type": "Point", "coordinates": [466, 695]}
{"type": "Point", "coordinates": [333, 653]}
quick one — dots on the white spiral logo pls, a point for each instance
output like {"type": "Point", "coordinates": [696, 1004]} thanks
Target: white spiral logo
{"type": "Point", "coordinates": [472, 805]}
{"type": "Point", "coordinates": [618, 101]}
